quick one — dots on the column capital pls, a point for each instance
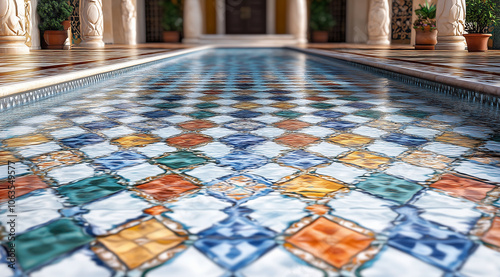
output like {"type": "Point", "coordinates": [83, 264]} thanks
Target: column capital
{"type": "Point", "coordinates": [13, 27]}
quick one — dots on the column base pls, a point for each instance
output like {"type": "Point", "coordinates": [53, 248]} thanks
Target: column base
{"type": "Point", "coordinates": [92, 43]}
{"type": "Point", "coordinates": [380, 40]}
{"type": "Point", "coordinates": [13, 45]}
{"type": "Point", "coordinates": [450, 43]}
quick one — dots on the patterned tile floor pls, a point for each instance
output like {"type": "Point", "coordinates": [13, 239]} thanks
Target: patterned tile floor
{"type": "Point", "coordinates": [252, 163]}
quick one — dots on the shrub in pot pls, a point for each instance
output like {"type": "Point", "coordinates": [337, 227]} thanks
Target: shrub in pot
{"type": "Point", "coordinates": [171, 20]}
{"type": "Point", "coordinates": [479, 16]}
{"type": "Point", "coordinates": [321, 20]}
{"type": "Point", "coordinates": [425, 27]}
{"type": "Point", "coordinates": [52, 14]}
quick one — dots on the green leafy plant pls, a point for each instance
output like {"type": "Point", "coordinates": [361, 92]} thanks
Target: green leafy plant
{"type": "Point", "coordinates": [321, 18]}
{"type": "Point", "coordinates": [426, 15]}
{"type": "Point", "coordinates": [172, 15]}
{"type": "Point", "coordinates": [480, 15]}
{"type": "Point", "coordinates": [52, 13]}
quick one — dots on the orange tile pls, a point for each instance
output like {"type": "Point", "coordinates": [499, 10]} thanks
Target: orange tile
{"type": "Point", "coordinates": [330, 241]}
{"type": "Point", "coordinates": [188, 140]}
{"type": "Point", "coordinates": [247, 105]}
{"type": "Point", "coordinates": [310, 186]}
{"type": "Point", "coordinates": [194, 125]}
{"type": "Point", "coordinates": [292, 124]}
{"type": "Point", "coordinates": [167, 187]}
{"type": "Point", "coordinates": [57, 158]}
{"type": "Point", "coordinates": [350, 140]}
{"type": "Point", "coordinates": [6, 157]}
{"type": "Point", "coordinates": [283, 105]}
{"type": "Point", "coordinates": [493, 234]}
{"type": "Point", "coordinates": [23, 185]}
{"type": "Point", "coordinates": [297, 140]}
{"type": "Point", "coordinates": [457, 139]}
{"type": "Point", "coordinates": [135, 140]}
{"type": "Point", "coordinates": [26, 140]}
{"type": "Point", "coordinates": [316, 98]}
{"type": "Point", "coordinates": [365, 159]}
{"type": "Point", "coordinates": [156, 210]}
{"type": "Point", "coordinates": [208, 98]}
{"type": "Point", "coordinates": [318, 209]}
{"type": "Point", "coordinates": [463, 187]}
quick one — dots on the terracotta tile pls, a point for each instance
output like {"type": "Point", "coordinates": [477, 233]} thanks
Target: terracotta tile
{"type": "Point", "coordinates": [310, 186]}
{"type": "Point", "coordinates": [156, 210]}
{"type": "Point", "coordinates": [365, 159]}
{"type": "Point", "coordinates": [26, 140]}
{"type": "Point", "coordinates": [297, 140]}
{"type": "Point", "coordinates": [57, 158]}
{"type": "Point", "coordinates": [188, 140]}
{"type": "Point", "coordinates": [350, 140]}
{"type": "Point", "coordinates": [136, 140]}
{"type": "Point", "coordinates": [428, 159]}
{"type": "Point", "coordinates": [194, 125]}
{"type": "Point", "coordinates": [6, 157]}
{"type": "Point", "coordinates": [493, 234]}
{"type": "Point", "coordinates": [208, 98]}
{"type": "Point", "coordinates": [463, 187]}
{"type": "Point", "coordinates": [318, 209]}
{"type": "Point", "coordinates": [141, 243]}
{"type": "Point", "coordinates": [330, 241]}
{"type": "Point", "coordinates": [457, 139]}
{"type": "Point", "coordinates": [384, 125]}
{"type": "Point", "coordinates": [167, 187]}
{"type": "Point", "coordinates": [283, 105]}
{"type": "Point", "coordinates": [316, 98]}
{"type": "Point", "coordinates": [247, 105]}
{"type": "Point", "coordinates": [23, 185]}
{"type": "Point", "coordinates": [292, 124]}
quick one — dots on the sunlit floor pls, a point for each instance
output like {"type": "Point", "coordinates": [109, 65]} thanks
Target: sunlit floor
{"type": "Point", "coordinates": [252, 163]}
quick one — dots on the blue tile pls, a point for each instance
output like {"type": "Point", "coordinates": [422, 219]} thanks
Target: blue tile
{"type": "Point", "coordinates": [244, 125]}
{"type": "Point", "coordinates": [82, 140]}
{"type": "Point", "coordinates": [278, 91]}
{"type": "Point", "coordinates": [158, 114]}
{"type": "Point", "coordinates": [118, 114]}
{"type": "Point", "coordinates": [360, 105]}
{"type": "Point", "coordinates": [242, 141]}
{"type": "Point", "coordinates": [173, 98]}
{"type": "Point", "coordinates": [240, 160]}
{"type": "Point", "coordinates": [405, 139]}
{"type": "Point", "coordinates": [120, 160]}
{"type": "Point", "coordinates": [73, 114]}
{"type": "Point", "coordinates": [281, 98]}
{"type": "Point", "coordinates": [329, 114]}
{"type": "Point", "coordinates": [148, 125]}
{"type": "Point", "coordinates": [338, 124]}
{"type": "Point", "coordinates": [302, 159]}
{"type": "Point", "coordinates": [245, 114]}
{"type": "Point", "coordinates": [244, 98]}
{"type": "Point", "coordinates": [100, 125]}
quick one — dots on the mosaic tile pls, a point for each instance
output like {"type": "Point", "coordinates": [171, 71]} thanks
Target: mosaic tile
{"type": "Point", "coordinates": [327, 149]}
{"type": "Point", "coordinates": [273, 172]}
{"type": "Point", "coordinates": [292, 124]}
{"type": "Point", "coordinates": [311, 118]}
{"type": "Point", "coordinates": [67, 174]}
{"type": "Point", "coordinates": [67, 132]}
{"type": "Point", "coordinates": [38, 246]}
{"type": "Point", "coordinates": [483, 262]}
{"type": "Point", "coordinates": [25, 140]}
{"type": "Point", "coordinates": [135, 140]}
{"type": "Point", "coordinates": [240, 160]}
{"type": "Point", "coordinates": [90, 189]}
{"type": "Point", "coordinates": [484, 157]}
{"type": "Point", "coordinates": [100, 125]}
{"type": "Point", "coordinates": [398, 118]}
{"type": "Point", "coordinates": [474, 131]}
{"type": "Point", "coordinates": [457, 139]}
{"type": "Point", "coordinates": [181, 159]}
{"type": "Point", "coordinates": [297, 140]}
{"type": "Point", "coordinates": [155, 149]}
{"type": "Point", "coordinates": [16, 131]}
{"type": "Point", "coordinates": [338, 125]}
{"type": "Point", "coordinates": [410, 172]}
{"type": "Point", "coordinates": [341, 172]}
{"type": "Point", "coordinates": [82, 140]}
{"type": "Point", "coordinates": [369, 132]}
{"type": "Point", "coordinates": [445, 149]}
{"type": "Point", "coordinates": [492, 236]}
{"type": "Point", "coordinates": [364, 159]}
{"type": "Point", "coordinates": [208, 172]}
{"type": "Point", "coordinates": [492, 146]}
{"type": "Point", "coordinates": [79, 264]}
{"type": "Point", "coordinates": [242, 141]}
{"type": "Point", "coordinates": [302, 159]}
{"type": "Point", "coordinates": [350, 140]}
{"type": "Point", "coordinates": [141, 243]}
{"type": "Point", "coordinates": [99, 149]}
{"type": "Point", "coordinates": [482, 171]}
{"type": "Point", "coordinates": [23, 185]}
{"type": "Point", "coordinates": [427, 159]}
{"type": "Point", "coordinates": [21, 169]}
{"type": "Point", "coordinates": [330, 241]}
{"type": "Point", "coordinates": [463, 187]}
{"type": "Point", "coordinates": [138, 172]}
{"type": "Point", "coordinates": [389, 187]}
{"type": "Point", "coordinates": [244, 125]}
{"type": "Point", "coordinates": [421, 132]}
{"type": "Point", "coordinates": [405, 139]}
{"type": "Point", "coordinates": [119, 160]}
{"type": "Point", "coordinates": [239, 187]}
{"type": "Point", "coordinates": [356, 119]}
{"type": "Point", "coordinates": [310, 186]}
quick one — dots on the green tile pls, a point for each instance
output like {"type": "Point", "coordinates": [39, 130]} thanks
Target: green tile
{"type": "Point", "coordinates": [181, 159]}
{"type": "Point", "coordinates": [48, 242]}
{"type": "Point", "coordinates": [90, 189]}
{"type": "Point", "coordinates": [349, 98]}
{"type": "Point", "coordinates": [207, 105]}
{"type": "Point", "coordinates": [370, 114]}
{"type": "Point", "coordinates": [323, 106]}
{"type": "Point", "coordinates": [496, 137]}
{"type": "Point", "coordinates": [288, 114]}
{"type": "Point", "coordinates": [202, 114]}
{"type": "Point", "coordinates": [413, 113]}
{"type": "Point", "coordinates": [168, 105]}
{"type": "Point", "coordinates": [389, 187]}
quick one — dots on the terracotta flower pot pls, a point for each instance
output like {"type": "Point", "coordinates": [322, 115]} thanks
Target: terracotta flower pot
{"type": "Point", "coordinates": [55, 39]}
{"type": "Point", "coordinates": [66, 24]}
{"type": "Point", "coordinates": [171, 36]}
{"type": "Point", "coordinates": [320, 36]}
{"type": "Point", "coordinates": [477, 42]}
{"type": "Point", "coordinates": [425, 39]}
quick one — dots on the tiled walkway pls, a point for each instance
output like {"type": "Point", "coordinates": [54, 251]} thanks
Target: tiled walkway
{"type": "Point", "coordinates": [253, 163]}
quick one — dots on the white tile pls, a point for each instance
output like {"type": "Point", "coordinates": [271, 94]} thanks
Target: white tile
{"type": "Point", "coordinates": [39, 149]}
{"type": "Point", "coordinates": [483, 171]}
{"type": "Point", "coordinates": [339, 171]}
{"type": "Point", "coordinates": [421, 132]}
{"type": "Point", "coordinates": [67, 132]}
{"type": "Point", "coordinates": [132, 119]}
{"type": "Point", "coordinates": [484, 262]}
{"type": "Point", "coordinates": [269, 132]}
{"type": "Point", "coordinates": [80, 264]}
{"type": "Point", "coordinates": [311, 118]}
{"type": "Point", "coordinates": [167, 132]}
{"type": "Point", "coordinates": [99, 150]}
{"type": "Point", "coordinates": [218, 132]}
{"type": "Point", "coordinates": [209, 172]}
{"type": "Point", "coordinates": [327, 149]}
{"type": "Point", "coordinates": [16, 131]}
{"type": "Point", "coordinates": [175, 119]}
{"type": "Point", "coordinates": [68, 174]}
{"type": "Point", "coordinates": [139, 172]}
{"type": "Point", "coordinates": [215, 150]}
{"type": "Point", "coordinates": [387, 148]}
{"type": "Point", "coordinates": [446, 149]}
{"type": "Point", "coordinates": [269, 149]}
{"type": "Point", "coordinates": [369, 132]}
{"type": "Point", "coordinates": [273, 172]}
{"type": "Point", "coordinates": [410, 172]}
{"type": "Point", "coordinates": [474, 131]}
{"type": "Point", "coordinates": [317, 131]}
{"type": "Point", "coordinates": [117, 132]}
{"type": "Point", "coordinates": [398, 118]}
{"type": "Point", "coordinates": [86, 119]}
{"type": "Point", "coordinates": [355, 118]}
{"type": "Point", "coordinates": [155, 149]}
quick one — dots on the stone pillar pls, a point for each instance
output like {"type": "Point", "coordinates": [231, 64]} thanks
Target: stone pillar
{"type": "Point", "coordinates": [91, 21]}
{"type": "Point", "coordinates": [271, 17]}
{"type": "Point", "coordinates": [450, 18]}
{"type": "Point", "coordinates": [379, 23]}
{"type": "Point", "coordinates": [193, 21]}
{"type": "Point", "coordinates": [129, 21]}
{"type": "Point", "coordinates": [220, 12]}
{"type": "Point", "coordinates": [34, 20]}
{"type": "Point", "coordinates": [297, 19]}
{"type": "Point", "coordinates": [13, 27]}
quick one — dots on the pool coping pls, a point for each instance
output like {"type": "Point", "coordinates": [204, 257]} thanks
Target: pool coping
{"type": "Point", "coordinates": [412, 72]}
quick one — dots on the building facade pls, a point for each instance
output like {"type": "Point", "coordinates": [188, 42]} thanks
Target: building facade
{"type": "Point", "coordinates": [95, 23]}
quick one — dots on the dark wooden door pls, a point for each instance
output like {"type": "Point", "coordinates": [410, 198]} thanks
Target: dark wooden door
{"type": "Point", "coordinates": [245, 16]}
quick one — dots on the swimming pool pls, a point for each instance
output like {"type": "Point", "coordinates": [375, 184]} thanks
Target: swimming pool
{"type": "Point", "coordinates": [262, 162]}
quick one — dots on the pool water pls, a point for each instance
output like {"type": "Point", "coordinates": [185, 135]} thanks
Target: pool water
{"type": "Point", "coordinates": [262, 162]}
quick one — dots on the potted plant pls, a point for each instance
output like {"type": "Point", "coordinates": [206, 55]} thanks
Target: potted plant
{"type": "Point", "coordinates": [52, 14]}
{"type": "Point", "coordinates": [479, 16]}
{"type": "Point", "coordinates": [425, 27]}
{"type": "Point", "coordinates": [321, 20]}
{"type": "Point", "coordinates": [171, 20]}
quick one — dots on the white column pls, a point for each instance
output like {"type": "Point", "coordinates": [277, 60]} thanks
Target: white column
{"type": "Point", "coordinates": [450, 16]}
{"type": "Point", "coordinates": [91, 21]}
{"type": "Point", "coordinates": [271, 16]}
{"type": "Point", "coordinates": [141, 21]}
{"type": "Point", "coordinates": [220, 13]}
{"type": "Point", "coordinates": [379, 23]}
{"type": "Point", "coordinates": [297, 19]}
{"type": "Point", "coordinates": [13, 27]}
{"type": "Point", "coordinates": [35, 32]}
{"type": "Point", "coordinates": [129, 22]}
{"type": "Point", "coordinates": [193, 19]}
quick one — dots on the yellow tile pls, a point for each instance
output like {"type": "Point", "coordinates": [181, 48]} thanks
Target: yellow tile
{"type": "Point", "coordinates": [385, 125]}
{"type": "Point", "coordinates": [351, 140]}
{"type": "Point", "coordinates": [5, 157]}
{"type": "Point", "coordinates": [136, 140]}
{"type": "Point", "coordinates": [246, 105]}
{"type": "Point", "coordinates": [365, 159]}
{"type": "Point", "coordinates": [311, 186]}
{"type": "Point", "coordinates": [283, 105]}
{"type": "Point", "coordinates": [427, 159]}
{"type": "Point", "coordinates": [117, 244]}
{"type": "Point", "coordinates": [26, 140]}
{"type": "Point", "coordinates": [136, 257]}
{"type": "Point", "coordinates": [457, 139]}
